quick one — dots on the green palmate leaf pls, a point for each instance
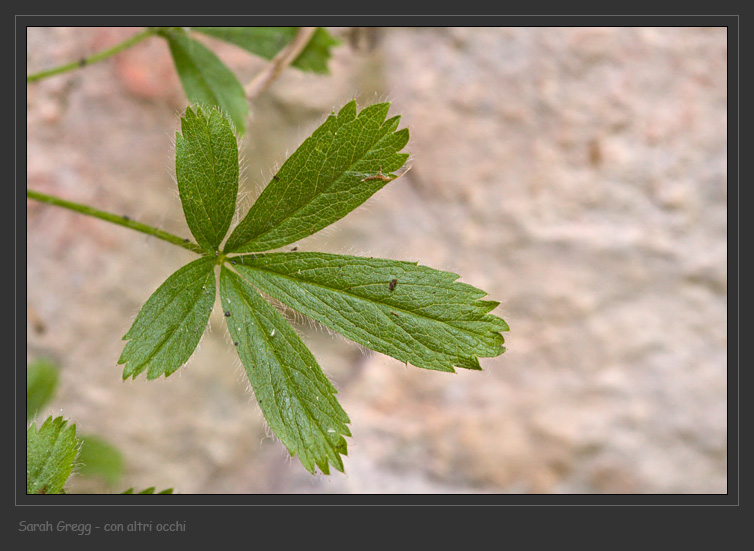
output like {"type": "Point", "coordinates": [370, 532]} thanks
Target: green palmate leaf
{"type": "Point", "coordinates": [206, 168]}
{"type": "Point", "coordinates": [149, 490]}
{"type": "Point", "coordinates": [413, 313]}
{"type": "Point", "coordinates": [41, 381]}
{"type": "Point", "coordinates": [333, 172]}
{"type": "Point", "coordinates": [50, 453]}
{"type": "Point", "coordinates": [295, 396]}
{"type": "Point", "coordinates": [101, 459]}
{"type": "Point", "coordinates": [205, 78]}
{"type": "Point", "coordinates": [171, 323]}
{"type": "Point", "coordinates": [268, 41]}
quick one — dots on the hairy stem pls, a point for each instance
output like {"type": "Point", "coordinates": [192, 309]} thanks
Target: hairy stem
{"type": "Point", "coordinates": [115, 219]}
{"type": "Point", "coordinates": [284, 58]}
{"type": "Point", "coordinates": [94, 58]}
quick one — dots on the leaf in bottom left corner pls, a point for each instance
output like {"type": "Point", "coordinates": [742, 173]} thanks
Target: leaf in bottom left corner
{"type": "Point", "coordinates": [50, 453]}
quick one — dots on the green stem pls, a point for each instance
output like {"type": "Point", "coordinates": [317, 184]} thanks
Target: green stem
{"type": "Point", "coordinates": [94, 58]}
{"type": "Point", "coordinates": [115, 219]}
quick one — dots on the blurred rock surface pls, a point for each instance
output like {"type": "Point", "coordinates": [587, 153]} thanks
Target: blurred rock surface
{"type": "Point", "coordinates": [578, 175]}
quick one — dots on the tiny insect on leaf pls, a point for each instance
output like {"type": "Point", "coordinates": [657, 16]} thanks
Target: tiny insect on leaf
{"type": "Point", "coordinates": [382, 177]}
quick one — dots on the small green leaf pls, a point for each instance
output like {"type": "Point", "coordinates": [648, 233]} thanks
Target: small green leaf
{"type": "Point", "coordinates": [206, 168]}
{"type": "Point", "coordinates": [50, 453]}
{"type": "Point", "coordinates": [316, 54]}
{"type": "Point", "coordinates": [205, 78]}
{"type": "Point", "coordinates": [333, 172]}
{"type": "Point", "coordinates": [413, 313]}
{"type": "Point", "coordinates": [266, 42]}
{"type": "Point", "coordinates": [295, 396]}
{"type": "Point", "coordinates": [41, 381]}
{"type": "Point", "coordinates": [99, 458]}
{"type": "Point", "coordinates": [149, 490]}
{"type": "Point", "coordinates": [171, 323]}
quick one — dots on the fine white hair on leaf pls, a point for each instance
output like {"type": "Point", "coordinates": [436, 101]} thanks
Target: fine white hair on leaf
{"type": "Point", "coordinates": [363, 349]}
{"type": "Point", "coordinates": [330, 230]}
{"type": "Point", "coordinates": [384, 96]}
{"type": "Point", "coordinates": [171, 136]}
{"type": "Point", "coordinates": [243, 203]}
{"type": "Point", "coordinates": [174, 192]}
{"type": "Point", "coordinates": [353, 251]}
{"type": "Point", "coordinates": [252, 396]}
{"type": "Point", "coordinates": [294, 317]}
{"type": "Point", "coordinates": [279, 306]}
{"type": "Point", "coordinates": [242, 165]}
{"type": "Point", "coordinates": [287, 457]}
{"type": "Point", "coordinates": [181, 112]}
{"type": "Point", "coordinates": [309, 129]}
{"type": "Point", "coordinates": [300, 319]}
{"type": "Point", "coordinates": [332, 334]}
{"type": "Point", "coordinates": [201, 341]}
{"type": "Point", "coordinates": [268, 431]}
{"type": "Point", "coordinates": [275, 169]}
{"type": "Point", "coordinates": [241, 377]}
{"type": "Point", "coordinates": [132, 317]}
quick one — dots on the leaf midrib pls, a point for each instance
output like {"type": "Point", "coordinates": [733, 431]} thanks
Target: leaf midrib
{"type": "Point", "coordinates": [212, 163]}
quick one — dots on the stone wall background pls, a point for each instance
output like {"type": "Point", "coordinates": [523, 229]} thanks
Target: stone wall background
{"type": "Point", "coordinates": [576, 174]}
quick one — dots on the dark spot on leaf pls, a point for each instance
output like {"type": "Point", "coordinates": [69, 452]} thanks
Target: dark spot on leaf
{"type": "Point", "coordinates": [392, 284]}
{"type": "Point", "coordinates": [82, 62]}
{"type": "Point", "coordinates": [233, 262]}
{"type": "Point", "coordinates": [294, 249]}
{"type": "Point", "coordinates": [227, 313]}
{"type": "Point", "coordinates": [276, 178]}
{"type": "Point", "coordinates": [186, 240]}
{"type": "Point", "coordinates": [126, 218]}
{"type": "Point", "coordinates": [235, 343]}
